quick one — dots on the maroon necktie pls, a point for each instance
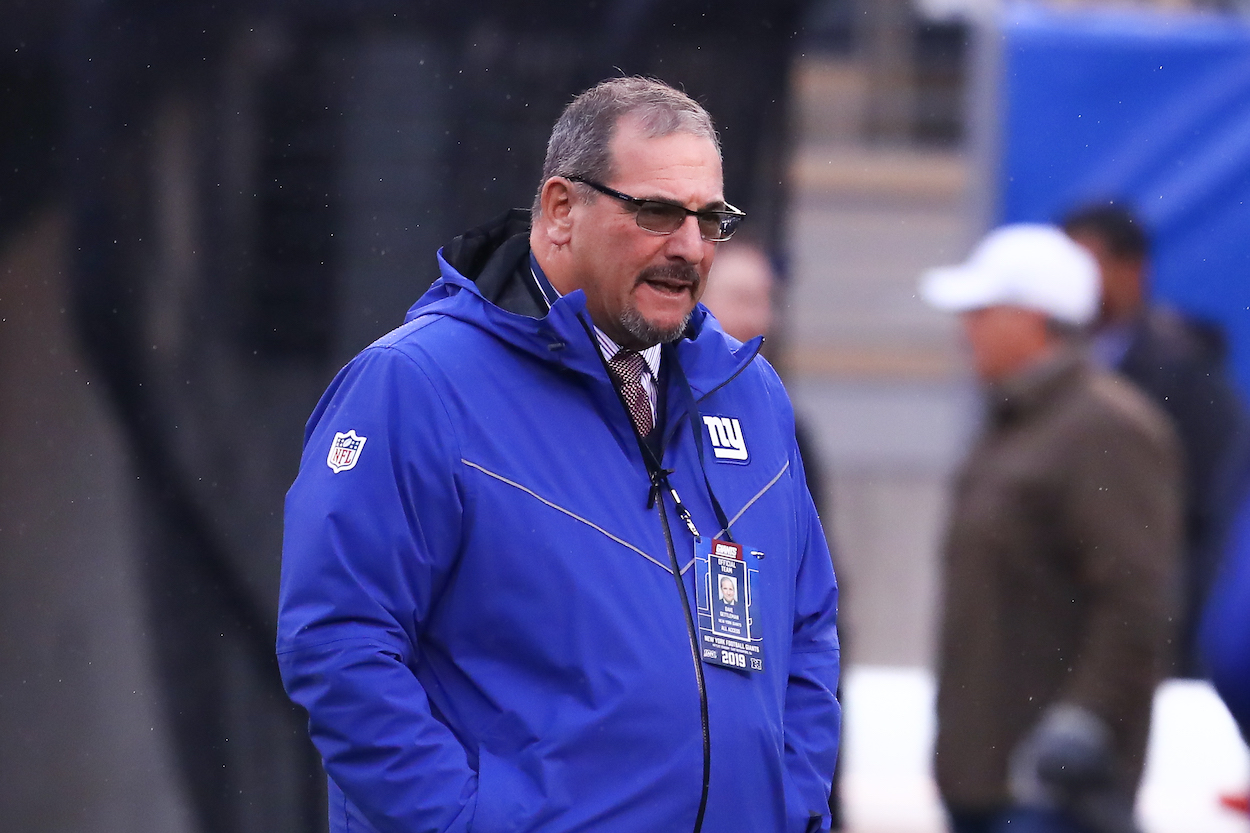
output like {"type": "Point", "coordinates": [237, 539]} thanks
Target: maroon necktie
{"type": "Point", "coordinates": [627, 367]}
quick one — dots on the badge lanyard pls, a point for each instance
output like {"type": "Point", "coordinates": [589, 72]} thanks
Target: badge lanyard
{"type": "Point", "coordinates": [726, 578]}
{"type": "Point", "coordinates": [692, 412]}
{"type": "Point", "coordinates": [726, 572]}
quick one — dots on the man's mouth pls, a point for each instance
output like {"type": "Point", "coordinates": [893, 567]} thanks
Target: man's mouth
{"type": "Point", "coordinates": [671, 280]}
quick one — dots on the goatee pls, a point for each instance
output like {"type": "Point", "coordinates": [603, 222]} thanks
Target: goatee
{"type": "Point", "coordinates": [631, 320]}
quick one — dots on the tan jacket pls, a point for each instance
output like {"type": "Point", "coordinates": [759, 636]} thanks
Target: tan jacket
{"type": "Point", "coordinates": [1061, 576]}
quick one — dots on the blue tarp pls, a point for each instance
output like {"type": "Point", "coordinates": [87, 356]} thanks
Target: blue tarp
{"type": "Point", "coordinates": [1150, 108]}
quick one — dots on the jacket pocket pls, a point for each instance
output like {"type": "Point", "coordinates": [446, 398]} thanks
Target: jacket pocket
{"type": "Point", "coordinates": [507, 801]}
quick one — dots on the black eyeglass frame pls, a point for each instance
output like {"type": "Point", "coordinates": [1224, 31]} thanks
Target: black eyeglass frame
{"type": "Point", "coordinates": [726, 219]}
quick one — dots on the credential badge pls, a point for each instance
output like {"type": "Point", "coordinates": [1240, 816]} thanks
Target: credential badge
{"type": "Point", "coordinates": [345, 451]}
{"type": "Point", "coordinates": [726, 436]}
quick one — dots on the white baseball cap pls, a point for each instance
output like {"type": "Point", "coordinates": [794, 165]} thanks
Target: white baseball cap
{"type": "Point", "coordinates": [1027, 265]}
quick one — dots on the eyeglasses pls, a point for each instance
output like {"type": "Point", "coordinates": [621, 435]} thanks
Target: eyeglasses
{"type": "Point", "coordinates": [659, 217]}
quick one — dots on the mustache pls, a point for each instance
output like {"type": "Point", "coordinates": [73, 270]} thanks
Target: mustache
{"type": "Point", "coordinates": [672, 272]}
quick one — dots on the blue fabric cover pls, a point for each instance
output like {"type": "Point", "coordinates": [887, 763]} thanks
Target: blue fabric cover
{"type": "Point", "coordinates": [1225, 632]}
{"type": "Point", "coordinates": [1146, 107]}
{"type": "Point", "coordinates": [480, 617]}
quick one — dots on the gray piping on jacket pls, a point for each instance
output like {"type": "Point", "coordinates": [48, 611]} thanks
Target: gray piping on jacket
{"type": "Point", "coordinates": [572, 515]}
{"type": "Point", "coordinates": [758, 495]}
{"type": "Point", "coordinates": [745, 507]}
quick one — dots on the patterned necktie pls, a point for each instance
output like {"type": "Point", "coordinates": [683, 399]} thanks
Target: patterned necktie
{"type": "Point", "coordinates": [627, 367]}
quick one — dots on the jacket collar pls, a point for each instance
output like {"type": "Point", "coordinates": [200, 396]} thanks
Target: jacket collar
{"type": "Point", "coordinates": [1037, 386]}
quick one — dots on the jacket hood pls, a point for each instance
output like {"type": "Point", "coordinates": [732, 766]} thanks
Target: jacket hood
{"type": "Point", "coordinates": [485, 281]}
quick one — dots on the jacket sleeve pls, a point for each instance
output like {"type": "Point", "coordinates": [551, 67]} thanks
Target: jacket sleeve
{"type": "Point", "coordinates": [365, 552]}
{"type": "Point", "coordinates": [1124, 500]}
{"type": "Point", "coordinates": [812, 713]}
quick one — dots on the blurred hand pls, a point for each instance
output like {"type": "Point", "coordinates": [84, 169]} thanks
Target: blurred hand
{"type": "Point", "coordinates": [1066, 764]}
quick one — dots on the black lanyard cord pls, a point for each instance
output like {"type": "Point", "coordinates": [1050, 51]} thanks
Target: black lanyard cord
{"type": "Point", "coordinates": [656, 472]}
{"type": "Point", "coordinates": [692, 412]}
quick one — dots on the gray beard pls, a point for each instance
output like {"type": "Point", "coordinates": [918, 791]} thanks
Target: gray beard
{"type": "Point", "coordinates": [647, 333]}
{"type": "Point", "coordinates": [633, 323]}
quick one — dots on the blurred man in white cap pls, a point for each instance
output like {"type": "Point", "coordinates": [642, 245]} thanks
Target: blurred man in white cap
{"type": "Point", "coordinates": [1061, 555]}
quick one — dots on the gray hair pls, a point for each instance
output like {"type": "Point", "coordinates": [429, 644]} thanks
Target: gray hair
{"type": "Point", "coordinates": [581, 136]}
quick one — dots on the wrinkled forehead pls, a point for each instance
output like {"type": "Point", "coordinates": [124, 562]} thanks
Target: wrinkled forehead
{"type": "Point", "coordinates": [679, 158]}
{"type": "Point", "coordinates": [656, 123]}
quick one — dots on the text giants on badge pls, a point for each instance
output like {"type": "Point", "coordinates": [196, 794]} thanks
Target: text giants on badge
{"type": "Point", "coordinates": [345, 451]}
{"type": "Point", "coordinates": [726, 436]}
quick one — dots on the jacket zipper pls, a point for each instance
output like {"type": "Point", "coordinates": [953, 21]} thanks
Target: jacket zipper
{"type": "Point", "coordinates": [691, 630]}
{"type": "Point", "coordinates": [698, 664]}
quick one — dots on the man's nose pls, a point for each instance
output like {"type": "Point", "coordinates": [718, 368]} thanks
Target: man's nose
{"type": "Point", "coordinates": [686, 242]}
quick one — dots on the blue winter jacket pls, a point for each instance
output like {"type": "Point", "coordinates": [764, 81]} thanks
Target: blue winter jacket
{"type": "Point", "coordinates": [478, 608]}
{"type": "Point", "coordinates": [1225, 634]}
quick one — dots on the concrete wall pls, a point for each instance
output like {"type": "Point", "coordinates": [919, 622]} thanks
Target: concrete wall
{"type": "Point", "coordinates": [879, 377]}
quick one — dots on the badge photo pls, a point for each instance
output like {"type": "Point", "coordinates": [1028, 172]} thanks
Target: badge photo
{"type": "Point", "coordinates": [726, 584]}
{"type": "Point", "coordinates": [345, 451]}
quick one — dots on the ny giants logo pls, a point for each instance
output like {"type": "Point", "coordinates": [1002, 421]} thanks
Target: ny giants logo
{"type": "Point", "coordinates": [726, 436]}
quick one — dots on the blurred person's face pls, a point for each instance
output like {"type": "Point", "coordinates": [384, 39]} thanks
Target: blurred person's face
{"type": "Point", "coordinates": [740, 291]}
{"type": "Point", "coordinates": [728, 592]}
{"type": "Point", "coordinates": [1005, 340]}
{"type": "Point", "coordinates": [640, 286]}
{"type": "Point", "coordinates": [1123, 278]}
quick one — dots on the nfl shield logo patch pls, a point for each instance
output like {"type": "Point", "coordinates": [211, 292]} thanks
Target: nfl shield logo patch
{"type": "Point", "coordinates": [345, 451]}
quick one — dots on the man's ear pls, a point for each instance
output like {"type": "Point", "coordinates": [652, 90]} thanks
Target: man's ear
{"type": "Point", "coordinates": [557, 201]}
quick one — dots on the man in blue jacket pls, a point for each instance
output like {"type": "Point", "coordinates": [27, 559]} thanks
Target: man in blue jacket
{"type": "Point", "coordinates": [499, 600]}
